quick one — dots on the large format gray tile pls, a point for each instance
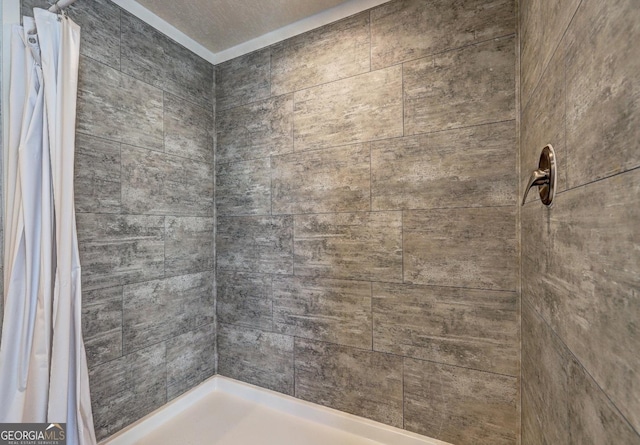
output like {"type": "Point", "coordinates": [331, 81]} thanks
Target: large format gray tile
{"type": "Point", "coordinates": [561, 402]}
{"type": "Point", "coordinates": [471, 86]}
{"type": "Point", "coordinates": [411, 29]}
{"type": "Point", "coordinates": [584, 250]}
{"type": "Point", "coordinates": [336, 311]}
{"type": "Point", "coordinates": [161, 184]}
{"type": "Point", "coordinates": [255, 244]}
{"type": "Point", "coordinates": [99, 21]}
{"type": "Point", "coordinates": [593, 418]}
{"type": "Point", "coordinates": [357, 109]}
{"type": "Point", "coordinates": [359, 246]}
{"type": "Point", "coordinates": [603, 95]}
{"type": "Point", "coordinates": [319, 181]}
{"type": "Point", "coordinates": [323, 55]}
{"type": "Point", "coordinates": [256, 130]}
{"type": "Point", "coordinates": [244, 299]}
{"type": "Point", "coordinates": [544, 383]}
{"type": "Point", "coordinates": [190, 359]}
{"type": "Point", "coordinates": [243, 79]}
{"type": "Point", "coordinates": [117, 107]}
{"type": "Point", "coordinates": [102, 324]}
{"type": "Point", "coordinates": [97, 175]}
{"type": "Point", "coordinates": [364, 383]}
{"type": "Point", "coordinates": [128, 388]}
{"type": "Point", "coordinates": [542, 24]}
{"type": "Point", "coordinates": [260, 358]}
{"type": "Point", "coordinates": [151, 56]}
{"type": "Point", "coordinates": [156, 310]}
{"type": "Point", "coordinates": [471, 247]}
{"type": "Point", "coordinates": [467, 167]}
{"type": "Point", "coordinates": [188, 129]}
{"type": "Point", "coordinates": [458, 405]}
{"type": "Point", "coordinates": [188, 244]}
{"type": "Point", "coordinates": [464, 327]}
{"type": "Point", "coordinates": [119, 249]}
{"type": "Point", "coordinates": [543, 122]}
{"type": "Point", "coordinates": [243, 188]}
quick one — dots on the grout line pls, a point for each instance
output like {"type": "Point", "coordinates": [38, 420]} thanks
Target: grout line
{"type": "Point", "coordinates": [404, 367]}
{"type": "Point", "coordinates": [371, 308]}
{"type": "Point", "coordinates": [402, 244]}
{"type": "Point", "coordinates": [294, 366]}
{"type": "Point", "coordinates": [370, 178]}
{"type": "Point", "coordinates": [249, 215]}
{"type": "Point", "coordinates": [398, 283]}
{"type": "Point", "coordinates": [402, 97]}
{"type": "Point", "coordinates": [370, 42]}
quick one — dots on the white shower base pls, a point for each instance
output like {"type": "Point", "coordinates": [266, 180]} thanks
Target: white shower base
{"type": "Point", "coordinates": [222, 411]}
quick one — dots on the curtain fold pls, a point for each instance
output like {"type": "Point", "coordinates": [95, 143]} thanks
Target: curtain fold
{"type": "Point", "coordinates": [43, 366]}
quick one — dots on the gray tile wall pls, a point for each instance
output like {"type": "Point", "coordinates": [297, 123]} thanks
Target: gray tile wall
{"type": "Point", "coordinates": [580, 259]}
{"type": "Point", "coordinates": [366, 226]}
{"type": "Point", "coordinates": [144, 197]}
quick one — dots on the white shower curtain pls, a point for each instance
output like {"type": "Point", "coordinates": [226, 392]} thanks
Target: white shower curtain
{"type": "Point", "coordinates": [43, 368]}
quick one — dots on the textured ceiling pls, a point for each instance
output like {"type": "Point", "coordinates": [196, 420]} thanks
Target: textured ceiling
{"type": "Point", "coordinates": [222, 24]}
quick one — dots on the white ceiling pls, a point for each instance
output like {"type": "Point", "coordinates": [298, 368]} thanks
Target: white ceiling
{"type": "Point", "coordinates": [219, 30]}
{"type": "Point", "coordinates": [222, 24]}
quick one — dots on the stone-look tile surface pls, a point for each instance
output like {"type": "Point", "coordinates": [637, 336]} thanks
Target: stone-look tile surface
{"type": "Point", "coordinates": [156, 310]}
{"type": "Point", "coordinates": [336, 311]}
{"type": "Point", "coordinates": [128, 388]}
{"type": "Point", "coordinates": [320, 181]}
{"type": "Point", "coordinates": [467, 167]}
{"type": "Point", "coordinates": [119, 249]}
{"type": "Point", "coordinates": [256, 130]}
{"type": "Point", "coordinates": [99, 21]}
{"type": "Point", "coordinates": [561, 402]}
{"type": "Point", "coordinates": [243, 80]}
{"type": "Point", "coordinates": [188, 129]}
{"type": "Point", "coordinates": [255, 244]}
{"type": "Point", "coordinates": [161, 184]}
{"type": "Point", "coordinates": [97, 175]}
{"type": "Point", "coordinates": [323, 55]}
{"type": "Point", "coordinates": [188, 244]}
{"type": "Point", "coordinates": [543, 122]}
{"type": "Point", "coordinates": [411, 29]}
{"type": "Point", "coordinates": [590, 286]}
{"type": "Point", "coordinates": [244, 299]}
{"type": "Point", "coordinates": [260, 358]}
{"type": "Point", "coordinates": [593, 419]}
{"type": "Point", "coordinates": [117, 107]}
{"type": "Point", "coordinates": [149, 55]}
{"type": "Point", "coordinates": [190, 359]}
{"type": "Point", "coordinates": [459, 405]}
{"type": "Point", "coordinates": [102, 324]}
{"type": "Point", "coordinates": [542, 24]}
{"type": "Point", "coordinates": [471, 247]}
{"type": "Point", "coordinates": [357, 109]}
{"type": "Point", "coordinates": [603, 105]}
{"type": "Point", "coordinates": [470, 86]}
{"type": "Point", "coordinates": [243, 188]}
{"type": "Point", "coordinates": [359, 246]}
{"type": "Point", "coordinates": [464, 327]}
{"type": "Point", "coordinates": [544, 383]}
{"type": "Point", "coordinates": [364, 383]}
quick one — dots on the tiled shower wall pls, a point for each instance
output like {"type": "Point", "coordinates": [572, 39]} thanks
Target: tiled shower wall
{"type": "Point", "coordinates": [366, 218]}
{"type": "Point", "coordinates": [144, 202]}
{"type": "Point", "coordinates": [580, 259]}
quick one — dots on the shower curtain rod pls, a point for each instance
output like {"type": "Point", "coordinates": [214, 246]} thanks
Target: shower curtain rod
{"type": "Point", "coordinates": [59, 6]}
